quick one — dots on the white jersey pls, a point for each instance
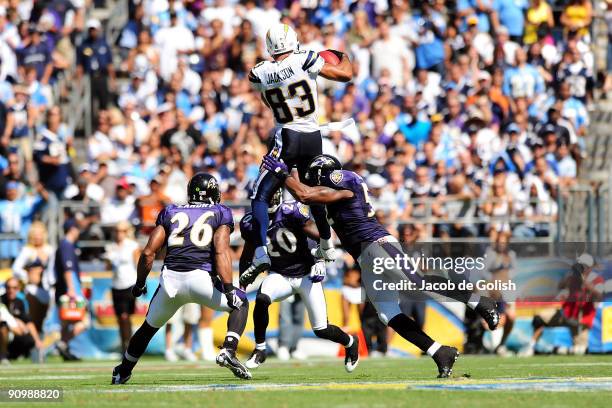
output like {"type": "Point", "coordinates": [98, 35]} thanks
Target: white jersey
{"type": "Point", "coordinates": [289, 88]}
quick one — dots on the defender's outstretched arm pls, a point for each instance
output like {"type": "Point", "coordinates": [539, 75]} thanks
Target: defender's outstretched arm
{"type": "Point", "coordinates": [315, 195]}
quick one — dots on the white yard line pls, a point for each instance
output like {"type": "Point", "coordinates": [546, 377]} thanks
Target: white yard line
{"type": "Point", "coordinates": [518, 384]}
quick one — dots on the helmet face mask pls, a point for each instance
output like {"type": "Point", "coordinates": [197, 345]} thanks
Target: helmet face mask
{"type": "Point", "coordinates": [203, 188]}
{"type": "Point", "coordinates": [321, 167]}
{"type": "Point", "coordinates": [281, 39]}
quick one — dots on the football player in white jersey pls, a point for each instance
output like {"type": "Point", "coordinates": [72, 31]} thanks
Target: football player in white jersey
{"type": "Point", "coordinates": [288, 87]}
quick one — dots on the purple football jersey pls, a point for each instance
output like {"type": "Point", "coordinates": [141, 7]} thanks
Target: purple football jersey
{"type": "Point", "coordinates": [287, 242]}
{"type": "Point", "coordinates": [353, 218]}
{"type": "Point", "coordinates": [189, 234]}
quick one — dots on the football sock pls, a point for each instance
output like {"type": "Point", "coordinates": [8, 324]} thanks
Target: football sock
{"type": "Point", "coordinates": [433, 348]}
{"type": "Point", "coordinates": [409, 330]}
{"type": "Point", "coordinates": [260, 346]}
{"type": "Point", "coordinates": [320, 215]}
{"type": "Point", "coordinates": [261, 318]}
{"type": "Point", "coordinates": [235, 326]}
{"type": "Point", "coordinates": [137, 346]}
{"type": "Point", "coordinates": [335, 334]}
{"type": "Point", "coordinates": [260, 222]}
{"type": "Point", "coordinates": [231, 341]}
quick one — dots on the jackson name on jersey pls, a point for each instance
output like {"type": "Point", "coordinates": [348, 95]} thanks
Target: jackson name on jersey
{"type": "Point", "coordinates": [289, 88]}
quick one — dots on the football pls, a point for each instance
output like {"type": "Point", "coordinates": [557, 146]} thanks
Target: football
{"type": "Point", "coordinates": [330, 57]}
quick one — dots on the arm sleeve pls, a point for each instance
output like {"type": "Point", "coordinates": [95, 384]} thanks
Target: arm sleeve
{"type": "Point", "coordinates": [161, 218]}
{"type": "Point", "coordinates": [254, 80]}
{"type": "Point", "coordinates": [226, 218]}
{"type": "Point", "coordinates": [313, 63]}
{"type": "Point", "coordinates": [341, 180]}
{"type": "Point", "coordinates": [301, 214]}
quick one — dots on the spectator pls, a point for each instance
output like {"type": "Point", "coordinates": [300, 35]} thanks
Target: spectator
{"type": "Point", "coordinates": [510, 14]}
{"type": "Point", "coordinates": [523, 80]}
{"type": "Point", "coordinates": [34, 266]}
{"type": "Point", "coordinates": [390, 53]}
{"type": "Point", "coordinates": [14, 319]}
{"type": "Point", "coordinates": [577, 17]}
{"type": "Point", "coordinates": [430, 45]}
{"type": "Point", "coordinates": [18, 124]}
{"type": "Point", "coordinates": [123, 255]}
{"type": "Point", "coordinates": [458, 205]}
{"type": "Point", "coordinates": [94, 58]}
{"type": "Point", "coordinates": [538, 211]}
{"type": "Point", "coordinates": [120, 207]}
{"type": "Point", "coordinates": [16, 215]}
{"type": "Point", "coordinates": [573, 110]}
{"type": "Point", "coordinates": [35, 53]}
{"type": "Point", "coordinates": [539, 16]}
{"type": "Point", "coordinates": [68, 282]}
{"type": "Point", "coordinates": [499, 208]}
{"type": "Point", "coordinates": [51, 154]}
{"type": "Point", "coordinates": [149, 206]}
{"type": "Point", "coordinates": [172, 42]}
{"type": "Point", "coordinates": [14, 172]}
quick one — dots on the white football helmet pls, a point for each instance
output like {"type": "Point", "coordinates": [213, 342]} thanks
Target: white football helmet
{"type": "Point", "coordinates": [281, 39]}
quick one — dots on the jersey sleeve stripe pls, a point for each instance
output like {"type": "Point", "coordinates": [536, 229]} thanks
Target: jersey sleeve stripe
{"type": "Point", "coordinates": [253, 78]}
{"type": "Point", "coordinates": [310, 60]}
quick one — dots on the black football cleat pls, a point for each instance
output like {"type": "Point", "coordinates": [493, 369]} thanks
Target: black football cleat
{"type": "Point", "coordinates": [258, 357]}
{"type": "Point", "coordinates": [351, 358]}
{"type": "Point", "coordinates": [227, 358]}
{"type": "Point", "coordinates": [258, 266]}
{"type": "Point", "coordinates": [118, 378]}
{"type": "Point", "coordinates": [487, 309]}
{"type": "Point", "coordinates": [445, 358]}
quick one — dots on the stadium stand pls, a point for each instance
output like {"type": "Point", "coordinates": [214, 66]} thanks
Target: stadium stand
{"type": "Point", "coordinates": [473, 116]}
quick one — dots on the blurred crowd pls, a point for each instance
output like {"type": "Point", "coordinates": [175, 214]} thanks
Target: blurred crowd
{"type": "Point", "coordinates": [471, 116]}
{"type": "Point", "coordinates": [474, 110]}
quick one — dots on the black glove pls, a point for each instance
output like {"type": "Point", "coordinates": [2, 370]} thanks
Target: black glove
{"type": "Point", "coordinates": [235, 297]}
{"type": "Point", "coordinates": [139, 289]}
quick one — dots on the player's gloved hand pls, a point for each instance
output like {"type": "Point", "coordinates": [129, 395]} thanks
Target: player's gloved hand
{"type": "Point", "coordinates": [139, 289]}
{"type": "Point", "coordinates": [235, 297]}
{"type": "Point", "coordinates": [318, 271]}
{"type": "Point", "coordinates": [326, 250]}
{"type": "Point", "coordinates": [276, 166]}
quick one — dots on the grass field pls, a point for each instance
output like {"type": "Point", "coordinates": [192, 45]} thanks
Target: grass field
{"type": "Point", "coordinates": [477, 381]}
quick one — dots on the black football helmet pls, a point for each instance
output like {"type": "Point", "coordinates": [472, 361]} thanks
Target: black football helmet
{"type": "Point", "coordinates": [320, 167]}
{"type": "Point", "coordinates": [203, 188]}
